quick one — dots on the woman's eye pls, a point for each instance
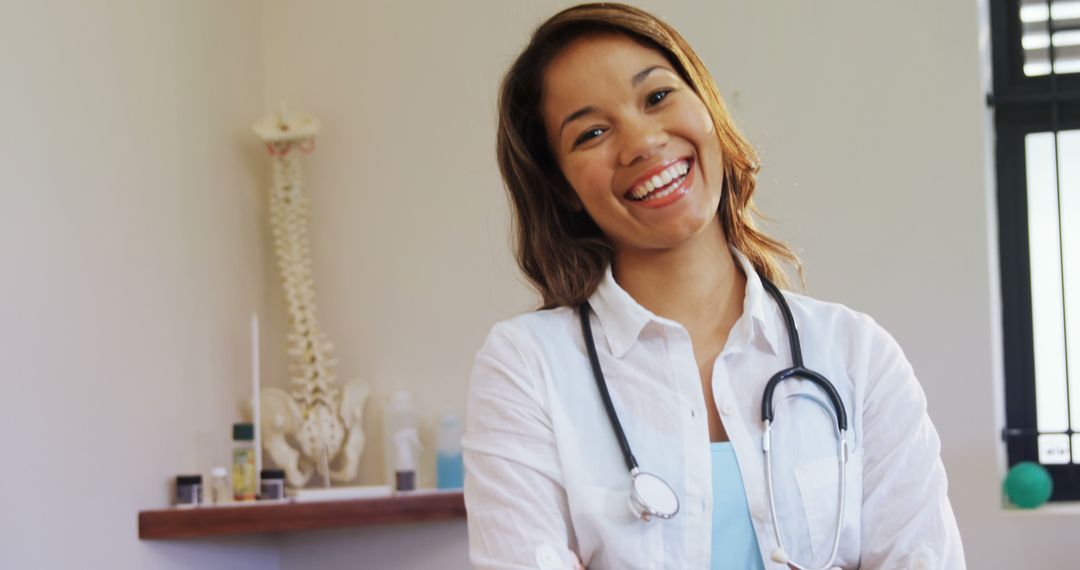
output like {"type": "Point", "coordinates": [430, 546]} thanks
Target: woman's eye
{"type": "Point", "coordinates": [588, 135]}
{"type": "Point", "coordinates": [656, 97]}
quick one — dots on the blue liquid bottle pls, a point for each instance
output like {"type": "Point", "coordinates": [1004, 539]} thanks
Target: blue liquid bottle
{"type": "Point", "coordinates": [448, 464]}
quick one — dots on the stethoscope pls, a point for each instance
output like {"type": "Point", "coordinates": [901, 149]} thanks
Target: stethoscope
{"type": "Point", "coordinates": [651, 497]}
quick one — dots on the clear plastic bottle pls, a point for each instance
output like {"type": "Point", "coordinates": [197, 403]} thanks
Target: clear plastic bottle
{"type": "Point", "coordinates": [220, 491]}
{"type": "Point", "coordinates": [405, 442]}
{"type": "Point", "coordinates": [398, 416]}
{"type": "Point", "coordinates": [245, 481]}
{"type": "Point", "coordinates": [449, 467]}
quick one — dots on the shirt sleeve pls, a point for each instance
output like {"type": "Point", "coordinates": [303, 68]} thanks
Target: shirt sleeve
{"type": "Point", "coordinates": [514, 495]}
{"type": "Point", "coordinates": [907, 521]}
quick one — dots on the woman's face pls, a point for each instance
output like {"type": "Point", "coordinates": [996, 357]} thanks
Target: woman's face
{"type": "Point", "coordinates": [635, 142]}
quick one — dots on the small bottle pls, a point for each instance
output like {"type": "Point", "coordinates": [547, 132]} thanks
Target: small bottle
{"type": "Point", "coordinates": [399, 415]}
{"type": "Point", "coordinates": [220, 493]}
{"type": "Point", "coordinates": [272, 487]}
{"type": "Point", "coordinates": [405, 442]}
{"type": "Point", "coordinates": [188, 490]}
{"type": "Point", "coordinates": [449, 467]}
{"type": "Point", "coordinates": [244, 481]}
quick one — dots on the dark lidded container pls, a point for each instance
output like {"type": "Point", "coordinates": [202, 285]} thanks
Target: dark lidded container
{"type": "Point", "coordinates": [272, 486]}
{"type": "Point", "coordinates": [188, 490]}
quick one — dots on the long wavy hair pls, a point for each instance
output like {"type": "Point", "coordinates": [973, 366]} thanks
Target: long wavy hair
{"type": "Point", "coordinates": [557, 245]}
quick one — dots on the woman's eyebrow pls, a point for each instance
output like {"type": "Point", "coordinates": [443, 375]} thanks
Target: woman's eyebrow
{"type": "Point", "coordinates": [641, 75]}
{"type": "Point", "coordinates": [575, 116]}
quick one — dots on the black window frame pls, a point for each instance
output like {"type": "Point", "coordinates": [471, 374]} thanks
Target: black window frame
{"type": "Point", "coordinates": [1023, 105]}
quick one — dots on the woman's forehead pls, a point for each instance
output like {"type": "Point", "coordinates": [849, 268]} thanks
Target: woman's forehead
{"type": "Point", "coordinates": [593, 67]}
{"type": "Point", "coordinates": [599, 56]}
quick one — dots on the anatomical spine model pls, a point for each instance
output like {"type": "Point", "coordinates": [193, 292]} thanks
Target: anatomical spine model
{"type": "Point", "coordinates": [304, 431]}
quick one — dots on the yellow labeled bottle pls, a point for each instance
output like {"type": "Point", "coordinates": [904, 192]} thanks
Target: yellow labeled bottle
{"type": "Point", "coordinates": [245, 479]}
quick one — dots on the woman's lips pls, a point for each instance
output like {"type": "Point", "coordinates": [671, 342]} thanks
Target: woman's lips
{"type": "Point", "coordinates": [669, 193]}
{"type": "Point", "coordinates": [658, 179]}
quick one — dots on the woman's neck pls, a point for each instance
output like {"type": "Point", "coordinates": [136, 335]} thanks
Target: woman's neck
{"type": "Point", "coordinates": [697, 284]}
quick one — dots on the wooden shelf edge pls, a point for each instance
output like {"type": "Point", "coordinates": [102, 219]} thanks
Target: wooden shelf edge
{"type": "Point", "coordinates": [258, 518]}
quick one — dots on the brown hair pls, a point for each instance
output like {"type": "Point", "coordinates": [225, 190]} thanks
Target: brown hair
{"type": "Point", "coordinates": [558, 246]}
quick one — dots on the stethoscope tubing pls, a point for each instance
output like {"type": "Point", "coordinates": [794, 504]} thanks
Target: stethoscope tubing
{"type": "Point", "coordinates": [842, 455]}
{"type": "Point", "coordinates": [605, 396]}
{"type": "Point", "coordinates": [797, 370]}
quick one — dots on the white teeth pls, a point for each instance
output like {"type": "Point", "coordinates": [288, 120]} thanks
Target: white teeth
{"type": "Point", "coordinates": [641, 191]}
{"type": "Point", "coordinates": [660, 194]}
{"type": "Point", "coordinates": [671, 173]}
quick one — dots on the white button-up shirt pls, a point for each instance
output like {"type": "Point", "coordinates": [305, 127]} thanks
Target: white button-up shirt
{"type": "Point", "coordinates": [546, 483]}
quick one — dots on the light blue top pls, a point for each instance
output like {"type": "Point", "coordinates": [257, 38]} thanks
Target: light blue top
{"type": "Point", "coordinates": [734, 544]}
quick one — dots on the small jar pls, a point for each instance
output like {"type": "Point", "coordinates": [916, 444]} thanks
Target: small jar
{"type": "Point", "coordinates": [188, 490]}
{"type": "Point", "coordinates": [220, 492]}
{"type": "Point", "coordinates": [273, 485]}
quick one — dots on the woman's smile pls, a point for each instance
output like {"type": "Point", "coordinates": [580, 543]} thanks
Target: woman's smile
{"type": "Point", "coordinates": [663, 185]}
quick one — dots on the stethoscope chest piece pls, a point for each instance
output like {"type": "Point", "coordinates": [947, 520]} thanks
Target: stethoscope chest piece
{"type": "Point", "coordinates": [651, 497]}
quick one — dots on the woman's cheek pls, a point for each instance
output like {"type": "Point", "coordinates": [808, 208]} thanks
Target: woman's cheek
{"type": "Point", "coordinates": [698, 120]}
{"type": "Point", "coordinates": [590, 182]}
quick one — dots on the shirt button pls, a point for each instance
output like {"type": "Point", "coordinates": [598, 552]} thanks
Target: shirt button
{"type": "Point", "coordinates": [727, 410]}
{"type": "Point", "coordinates": [758, 512]}
{"type": "Point", "coordinates": [547, 558]}
{"type": "Point", "coordinates": [922, 564]}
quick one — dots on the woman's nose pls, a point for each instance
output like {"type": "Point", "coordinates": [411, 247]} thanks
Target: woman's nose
{"type": "Point", "coordinates": [642, 139]}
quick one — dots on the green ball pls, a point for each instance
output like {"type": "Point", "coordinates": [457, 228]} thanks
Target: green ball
{"type": "Point", "coordinates": [1028, 485]}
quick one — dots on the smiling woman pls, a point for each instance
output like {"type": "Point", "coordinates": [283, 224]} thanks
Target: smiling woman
{"type": "Point", "coordinates": [640, 421]}
{"type": "Point", "coordinates": [637, 143]}
{"type": "Point", "coordinates": [536, 139]}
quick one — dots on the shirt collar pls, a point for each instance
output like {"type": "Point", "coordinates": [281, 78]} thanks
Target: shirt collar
{"type": "Point", "coordinates": [623, 319]}
{"type": "Point", "coordinates": [759, 305]}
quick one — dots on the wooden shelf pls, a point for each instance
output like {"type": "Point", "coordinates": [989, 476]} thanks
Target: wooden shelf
{"type": "Point", "coordinates": [293, 516]}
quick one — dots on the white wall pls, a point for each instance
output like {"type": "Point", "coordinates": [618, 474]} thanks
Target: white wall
{"type": "Point", "coordinates": [131, 253]}
{"type": "Point", "coordinates": [408, 222]}
{"type": "Point", "coordinates": [421, 546]}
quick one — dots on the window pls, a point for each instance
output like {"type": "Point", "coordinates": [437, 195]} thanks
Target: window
{"type": "Point", "coordinates": [1050, 24]}
{"type": "Point", "coordinates": [1036, 103]}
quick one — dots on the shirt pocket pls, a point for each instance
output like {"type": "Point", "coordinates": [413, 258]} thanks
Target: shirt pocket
{"type": "Point", "coordinates": [819, 487]}
{"type": "Point", "coordinates": [610, 536]}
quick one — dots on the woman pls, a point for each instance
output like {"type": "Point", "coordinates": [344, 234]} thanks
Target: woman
{"type": "Point", "coordinates": [631, 191]}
